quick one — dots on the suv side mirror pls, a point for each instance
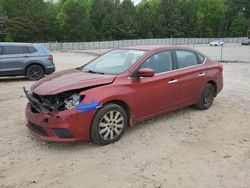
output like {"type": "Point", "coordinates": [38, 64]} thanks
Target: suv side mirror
{"type": "Point", "coordinates": [145, 72]}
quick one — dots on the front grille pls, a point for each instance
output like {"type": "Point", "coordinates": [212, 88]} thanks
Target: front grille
{"type": "Point", "coordinates": [62, 133]}
{"type": "Point", "coordinates": [38, 129]}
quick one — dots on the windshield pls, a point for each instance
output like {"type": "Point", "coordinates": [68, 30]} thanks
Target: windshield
{"type": "Point", "coordinates": [114, 62]}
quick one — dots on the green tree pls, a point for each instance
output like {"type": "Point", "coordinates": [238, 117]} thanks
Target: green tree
{"type": "Point", "coordinates": [3, 22]}
{"type": "Point", "coordinates": [190, 22]}
{"type": "Point", "coordinates": [28, 21]}
{"type": "Point", "coordinates": [211, 16]}
{"type": "Point", "coordinates": [73, 21]}
{"type": "Point", "coordinates": [126, 20]}
{"type": "Point", "coordinates": [145, 20]}
{"type": "Point", "coordinates": [239, 26]}
{"type": "Point", "coordinates": [88, 20]}
{"type": "Point", "coordinates": [171, 14]}
{"type": "Point", "coordinates": [98, 11]}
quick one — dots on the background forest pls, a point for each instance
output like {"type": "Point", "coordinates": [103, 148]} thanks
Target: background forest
{"type": "Point", "coordinates": [92, 20]}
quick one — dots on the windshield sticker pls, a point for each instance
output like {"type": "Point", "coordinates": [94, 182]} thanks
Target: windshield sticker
{"type": "Point", "coordinates": [84, 107]}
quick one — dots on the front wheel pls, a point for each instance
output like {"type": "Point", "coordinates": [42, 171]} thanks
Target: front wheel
{"type": "Point", "coordinates": [206, 98]}
{"type": "Point", "coordinates": [109, 124]}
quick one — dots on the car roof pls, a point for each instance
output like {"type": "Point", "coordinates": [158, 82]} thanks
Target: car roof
{"type": "Point", "coordinates": [157, 47]}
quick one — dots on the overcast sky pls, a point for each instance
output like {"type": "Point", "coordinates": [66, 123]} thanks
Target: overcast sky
{"type": "Point", "coordinates": [136, 1]}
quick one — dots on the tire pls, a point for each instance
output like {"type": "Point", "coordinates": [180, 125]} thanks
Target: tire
{"type": "Point", "coordinates": [35, 72]}
{"type": "Point", "coordinates": [206, 98]}
{"type": "Point", "coordinates": [105, 129]}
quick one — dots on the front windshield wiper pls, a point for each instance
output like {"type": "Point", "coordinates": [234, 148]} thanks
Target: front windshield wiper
{"type": "Point", "coordinates": [95, 72]}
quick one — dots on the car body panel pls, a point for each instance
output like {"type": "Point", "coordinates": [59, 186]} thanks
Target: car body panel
{"type": "Point", "coordinates": [13, 64]}
{"type": "Point", "coordinates": [73, 120]}
{"type": "Point", "coordinates": [144, 97]}
{"type": "Point", "coordinates": [76, 79]}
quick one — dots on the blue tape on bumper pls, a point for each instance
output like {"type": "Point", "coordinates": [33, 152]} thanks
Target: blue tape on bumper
{"type": "Point", "coordinates": [84, 107]}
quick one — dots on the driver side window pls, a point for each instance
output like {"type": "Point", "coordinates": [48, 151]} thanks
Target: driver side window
{"type": "Point", "coordinates": [159, 62]}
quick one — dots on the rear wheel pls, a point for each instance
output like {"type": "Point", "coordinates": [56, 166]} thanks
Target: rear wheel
{"type": "Point", "coordinates": [35, 72]}
{"type": "Point", "coordinates": [109, 124]}
{"type": "Point", "coordinates": [206, 98]}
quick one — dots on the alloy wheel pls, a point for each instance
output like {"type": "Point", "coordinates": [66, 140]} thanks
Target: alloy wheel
{"type": "Point", "coordinates": [111, 125]}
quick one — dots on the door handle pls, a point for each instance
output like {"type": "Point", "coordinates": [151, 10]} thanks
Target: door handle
{"type": "Point", "coordinates": [26, 56]}
{"type": "Point", "coordinates": [201, 74]}
{"type": "Point", "coordinates": [173, 81]}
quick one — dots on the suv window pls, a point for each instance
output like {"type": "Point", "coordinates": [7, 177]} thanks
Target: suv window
{"type": "Point", "coordinates": [14, 50]}
{"type": "Point", "coordinates": [186, 58]}
{"type": "Point", "coordinates": [31, 49]}
{"type": "Point", "coordinates": [159, 62]}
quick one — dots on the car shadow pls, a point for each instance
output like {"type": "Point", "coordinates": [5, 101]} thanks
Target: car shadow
{"type": "Point", "coordinates": [73, 146]}
{"type": "Point", "coordinates": [158, 118]}
{"type": "Point", "coordinates": [14, 79]}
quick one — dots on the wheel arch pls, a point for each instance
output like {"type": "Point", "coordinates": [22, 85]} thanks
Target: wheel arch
{"type": "Point", "coordinates": [124, 105]}
{"type": "Point", "coordinates": [213, 83]}
{"type": "Point", "coordinates": [33, 63]}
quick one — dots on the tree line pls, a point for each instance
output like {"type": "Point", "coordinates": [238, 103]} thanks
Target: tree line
{"type": "Point", "coordinates": [92, 20]}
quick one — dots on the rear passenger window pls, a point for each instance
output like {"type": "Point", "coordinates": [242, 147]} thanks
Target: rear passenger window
{"type": "Point", "coordinates": [32, 49]}
{"type": "Point", "coordinates": [201, 58]}
{"type": "Point", "coordinates": [159, 62]}
{"type": "Point", "coordinates": [1, 50]}
{"type": "Point", "coordinates": [186, 58]}
{"type": "Point", "coordinates": [14, 50]}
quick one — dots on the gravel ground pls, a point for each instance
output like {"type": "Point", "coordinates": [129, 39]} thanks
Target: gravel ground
{"type": "Point", "coordinates": [187, 148]}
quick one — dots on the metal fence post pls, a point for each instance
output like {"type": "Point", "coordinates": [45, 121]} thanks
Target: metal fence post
{"type": "Point", "coordinates": [221, 47]}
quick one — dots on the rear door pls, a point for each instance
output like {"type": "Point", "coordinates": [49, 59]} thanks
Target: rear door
{"type": "Point", "coordinates": [159, 93]}
{"type": "Point", "coordinates": [13, 59]}
{"type": "Point", "coordinates": [191, 75]}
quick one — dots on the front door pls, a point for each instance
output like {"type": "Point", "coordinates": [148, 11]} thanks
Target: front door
{"type": "Point", "coordinates": [159, 93]}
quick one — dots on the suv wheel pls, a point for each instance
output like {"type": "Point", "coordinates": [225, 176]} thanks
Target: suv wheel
{"type": "Point", "coordinates": [35, 72]}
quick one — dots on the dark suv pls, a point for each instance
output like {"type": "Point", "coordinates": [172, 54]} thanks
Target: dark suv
{"type": "Point", "coordinates": [31, 60]}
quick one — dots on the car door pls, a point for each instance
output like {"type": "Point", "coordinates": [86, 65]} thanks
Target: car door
{"type": "Point", "coordinates": [159, 93]}
{"type": "Point", "coordinates": [191, 75]}
{"type": "Point", "coordinates": [13, 59]}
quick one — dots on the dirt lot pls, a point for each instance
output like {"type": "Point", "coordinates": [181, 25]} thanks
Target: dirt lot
{"type": "Point", "coordinates": [187, 148]}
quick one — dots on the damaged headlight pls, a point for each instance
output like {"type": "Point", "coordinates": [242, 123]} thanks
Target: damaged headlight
{"type": "Point", "coordinates": [72, 101]}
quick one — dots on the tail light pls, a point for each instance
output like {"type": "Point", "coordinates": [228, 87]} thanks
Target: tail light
{"type": "Point", "coordinates": [221, 68]}
{"type": "Point", "coordinates": [50, 58]}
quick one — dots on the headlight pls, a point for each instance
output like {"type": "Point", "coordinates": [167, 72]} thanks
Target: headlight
{"type": "Point", "coordinates": [72, 101]}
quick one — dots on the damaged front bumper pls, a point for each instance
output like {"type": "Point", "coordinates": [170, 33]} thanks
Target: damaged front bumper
{"type": "Point", "coordinates": [61, 126]}
{"type": "Point", "coordinates": [67, 126]}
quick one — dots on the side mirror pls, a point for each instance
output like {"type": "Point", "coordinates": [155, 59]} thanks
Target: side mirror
{"type": "Point", "coordinates": [146, 72]}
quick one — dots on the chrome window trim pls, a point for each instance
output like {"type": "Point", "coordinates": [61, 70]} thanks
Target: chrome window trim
{"type": "Point", "coordinates": [129, 77]}
{"type": "Point", "coordinates": [183, 67]}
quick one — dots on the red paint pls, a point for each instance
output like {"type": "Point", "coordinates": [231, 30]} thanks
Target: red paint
{"type": "Point", "coordinates": [146, 97]}
{"type": "Point", "coordinates": [146, 72]}
{"type": "Point", "coordinates": [69, 80]}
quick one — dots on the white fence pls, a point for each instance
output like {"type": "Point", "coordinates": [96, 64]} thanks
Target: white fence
{"type": "Point", "coordinates": [122, 43]}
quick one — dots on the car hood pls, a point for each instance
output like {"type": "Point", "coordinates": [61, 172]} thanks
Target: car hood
{"type": "Point", "coordinates": [69, 80]}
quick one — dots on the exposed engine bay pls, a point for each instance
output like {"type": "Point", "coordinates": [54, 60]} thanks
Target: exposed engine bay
{"type": "Point", "coordinates": [51, 103]}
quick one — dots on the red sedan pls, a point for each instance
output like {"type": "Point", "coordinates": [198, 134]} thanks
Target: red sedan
{"type": "Point", "coordinates": [118, 89]}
